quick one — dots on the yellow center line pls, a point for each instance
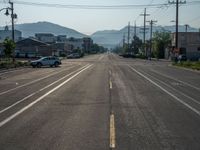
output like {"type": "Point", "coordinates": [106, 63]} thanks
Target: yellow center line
{"type": "Point", "coordinates": [110, 84]}
{"type": "Point", "coordinates": [112, 131]}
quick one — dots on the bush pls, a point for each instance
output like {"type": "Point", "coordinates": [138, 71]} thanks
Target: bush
{"type": "Point", "coordinates": [189, 64]}
{"type": "Point", "coordinates": [9, 64]}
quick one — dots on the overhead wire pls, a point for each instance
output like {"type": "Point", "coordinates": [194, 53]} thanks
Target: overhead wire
{"type": "Point", "coordinates": [87, 6]}
{"type": "Point", "coordinates": [151, 5]}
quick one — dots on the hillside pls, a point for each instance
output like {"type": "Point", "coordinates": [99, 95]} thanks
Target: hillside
{"type": "Point", "coordinates": [111, 38]}
{"type": "Point", "coordinates": [29, 29]}
{"type": "Point", "coordinates": [106, 38]}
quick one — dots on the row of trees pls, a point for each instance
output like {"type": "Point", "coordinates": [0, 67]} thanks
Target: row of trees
{"type": "Point", "coordinates": [161, 41]}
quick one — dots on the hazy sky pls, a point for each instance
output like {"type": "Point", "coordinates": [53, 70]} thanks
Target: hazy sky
{"type": "Point", "coordinates": [90, 20]}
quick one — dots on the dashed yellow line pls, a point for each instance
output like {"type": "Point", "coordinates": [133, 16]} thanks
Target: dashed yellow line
{"type": "Point", "coordinates": [111, 84]}
{"type": "Point", "coordinates": [112, 131]}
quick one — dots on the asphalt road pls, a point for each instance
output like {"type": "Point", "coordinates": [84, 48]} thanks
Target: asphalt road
{"type": "Point", "coordinates": [100, 102]}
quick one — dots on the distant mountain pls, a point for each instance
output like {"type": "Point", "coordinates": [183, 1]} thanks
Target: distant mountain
{"type": "Point", "coordinates": [106, 38]}
{"type": "Point", "coordinates": [112, 38]}
{"type": "Point", "coordinates": [29, 29]}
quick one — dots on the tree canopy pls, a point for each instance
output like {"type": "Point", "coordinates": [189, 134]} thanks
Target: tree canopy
{"type": "Point", "coordinates": [161, 41]}
{"type": "Point", "coordinates": [9, 47]}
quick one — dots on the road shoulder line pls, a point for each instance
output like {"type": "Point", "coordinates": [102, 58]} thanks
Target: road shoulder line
{"type": "Point", "coordinates": [2, 123]}
{"type": "Point", "coordinates": [34, 81]}
{"type": "Point", "coordinates": [42, 89]}
{"type": "Point", "coordinates": [163, 89]}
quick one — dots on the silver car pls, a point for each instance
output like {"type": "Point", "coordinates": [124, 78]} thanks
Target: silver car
{"type": "Point", "coordinates": [46, 61]}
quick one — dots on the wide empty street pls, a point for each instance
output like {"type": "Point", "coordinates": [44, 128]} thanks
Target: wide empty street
{"type": "Point", "coordinates": [100, 102]}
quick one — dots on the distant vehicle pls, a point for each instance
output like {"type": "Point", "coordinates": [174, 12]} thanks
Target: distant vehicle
{"type": "Point", "coordinates": [74, 55]}
{"type": "Point", "coordinates": [46, 61]}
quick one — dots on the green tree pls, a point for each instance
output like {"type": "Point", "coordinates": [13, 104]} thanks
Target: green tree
{"type": "Point", "coordinates": [161, 41]}
{"type": "Point", "coordinates": [95, 48]}
{"type": "Point", "coordinates": [118, 50]}
{"type": "Point", "coordinates": [9, 46]}
{"type": "Point", "coordinates": [125, 48]}
{"type": "Point", "coordinates": [136, 44]}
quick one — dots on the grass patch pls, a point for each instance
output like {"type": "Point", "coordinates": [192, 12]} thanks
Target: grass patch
{"type": "Point", "coordinates": [8, 63]}
{"type": "Point", "coordinates": [188, 64]}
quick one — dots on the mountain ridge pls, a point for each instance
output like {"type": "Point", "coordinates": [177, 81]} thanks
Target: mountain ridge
{"type": "Point", "coordinates": [29, 29]}
{"type": "Point", "coordinates": [114, 38]}
{"type": "Point", "coordinates": [107, 38]}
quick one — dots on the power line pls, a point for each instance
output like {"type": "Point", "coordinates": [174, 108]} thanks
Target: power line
{"type": "Point", "coordinates": [151, 5]}
{"type": "Point", "coordinates": [88, 6]}
{"type": "Point", "coordinates": [194, 19]}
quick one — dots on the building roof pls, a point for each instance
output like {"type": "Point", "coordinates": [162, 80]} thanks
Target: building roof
{"type": "Point", "coordinates": [44, 34]}
{"type": "Point", "coordinates": [32, 41]}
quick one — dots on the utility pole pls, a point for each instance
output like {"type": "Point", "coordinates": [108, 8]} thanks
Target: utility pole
{"type": "Point", "coordinates": [123, 40]}
{"type": "Point", "coordinates": [128, 38]}
{"type": "Point", "coordinates": [12, 17]}
{"type": "Point", "coordinates": [177, 17]}
{"type": "Point", "coordinates": [144, 33]}
{"type": "Point", "coordinates": [151, 25]}
{"type": "Point", "coordinates": [186, 27]}
{"type": "Point", "coordinates": [135, 29]}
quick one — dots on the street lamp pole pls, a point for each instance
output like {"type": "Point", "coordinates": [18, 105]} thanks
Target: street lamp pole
{"type": "Point", "coordinates": [12, 17]}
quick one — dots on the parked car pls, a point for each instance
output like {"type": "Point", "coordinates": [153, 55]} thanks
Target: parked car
{"type": "Point", "coordinates": [46, 61]}
{"type": "Point", "coordinates": [74, 55]}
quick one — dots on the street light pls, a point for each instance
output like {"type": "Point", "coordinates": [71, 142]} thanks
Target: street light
{"type": "Point", "coordinates": [13, 16]}
{"type": "Point", "coordinates": [7, 12]}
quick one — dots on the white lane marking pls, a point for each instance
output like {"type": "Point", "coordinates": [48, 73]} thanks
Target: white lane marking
{"type": "Point", "coordinates": [188, 84]}
{"type": "Point", "coordinates": [25, 98]}
{"type": "Point", "coordinates": [112, 131]}
{"type": "Point", "coordinates": [9, 107]}
{"type": "Point", "coordinates": [13, 70]}
{"type": "Point", "coordinates": [40, 98]}
{"type": "Point", "coordinates": [169, 93]}
{"type": "Point", "coordinates": [34, 81]}
{"type": "Point", "coordinates": [194, 100]}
